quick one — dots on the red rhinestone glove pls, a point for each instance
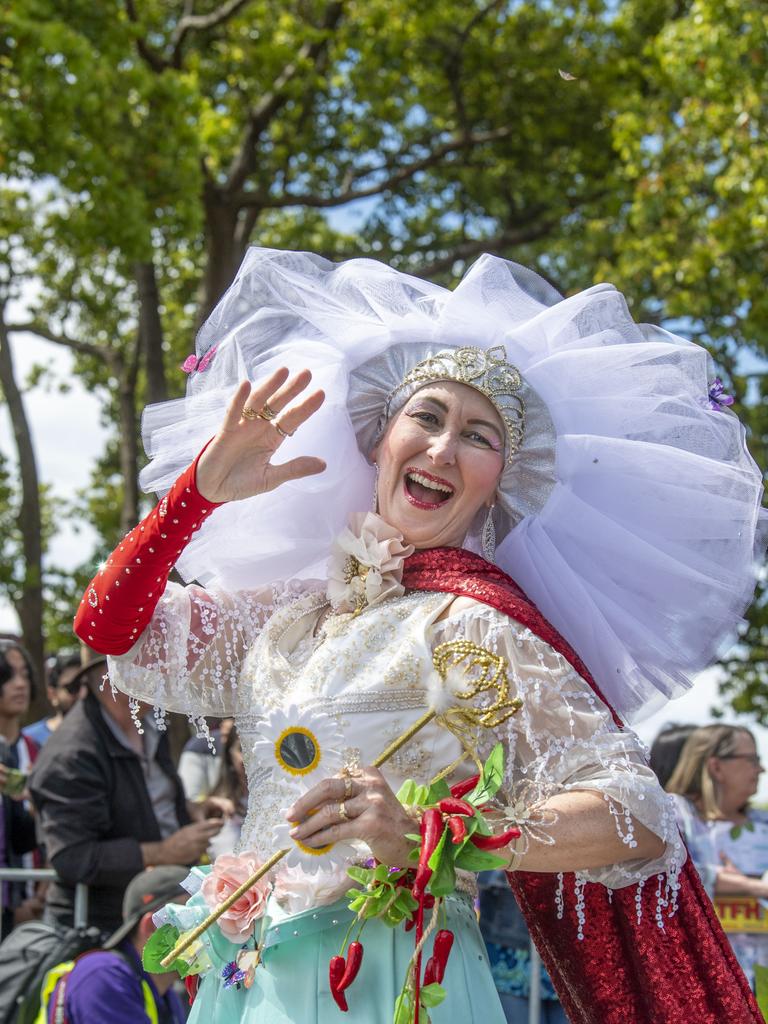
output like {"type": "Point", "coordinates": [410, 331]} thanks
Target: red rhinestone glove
{"type": "Point", "coordinates": [119, 601]}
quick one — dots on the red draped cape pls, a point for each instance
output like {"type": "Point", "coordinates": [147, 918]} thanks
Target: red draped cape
{"type": "Point", "coordinates": [624, 971]}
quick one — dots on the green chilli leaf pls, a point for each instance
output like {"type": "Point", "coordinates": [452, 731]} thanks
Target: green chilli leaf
{"type": "Point", "coordinates": [439, 790]}
{"type": "Point", "coordinates": [407, 792]}
{"type": "Point", "coordinates": [432, 995]}
{"type": "Point", "coordinates": [160, 944]}
{"type": "Point", "coordinates": [469, 858]}
{"type": "Point", "coordinates": [358, 874]}
{"type": "Point", "coordinates": [491, 778]}
{"type": "Point", "coordinates": [443, 880]}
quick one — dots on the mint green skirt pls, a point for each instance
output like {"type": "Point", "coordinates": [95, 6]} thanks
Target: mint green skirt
{"type": "Point", "coordinates": [291, 985]}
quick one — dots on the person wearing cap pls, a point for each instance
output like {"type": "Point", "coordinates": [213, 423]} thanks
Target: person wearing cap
{"type": "Point", "coordinates": [491, 473]}
{"type": "Point", "coordinates": [110, 803]}
{"type": "Point", "coordinates": [111, 984]}
{"type": "Point", "coordinates": [63, 689]}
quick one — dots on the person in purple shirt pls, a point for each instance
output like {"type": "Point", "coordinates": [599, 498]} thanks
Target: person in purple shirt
{"type": "Point", "coordinates": [110, 984]}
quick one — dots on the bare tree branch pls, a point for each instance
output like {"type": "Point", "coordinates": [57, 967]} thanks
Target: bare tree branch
{"type": "Point", "coordinates": [190, 22]}
{"type": "Point", "coordinates": [504, 239]}
{"type": "Point", "coordinates": [454, 65]}
{"type": "Point", "coordinates": [147, 54]}
{"type": "Point", "coordinates": [396, 177]}
{"type": "Point", "coordinates": [273, 101]}
{"type": "Point", "coordinates": [42, 331]}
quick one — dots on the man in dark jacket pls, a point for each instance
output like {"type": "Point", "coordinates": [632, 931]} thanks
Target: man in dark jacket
{"type": "Point", "coordinates": [110, 804]}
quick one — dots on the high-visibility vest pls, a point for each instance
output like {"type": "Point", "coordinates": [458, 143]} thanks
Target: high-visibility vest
{"type": "Point", "coordinates": [56, 981]}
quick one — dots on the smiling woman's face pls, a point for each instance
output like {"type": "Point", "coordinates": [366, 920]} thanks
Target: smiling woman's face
{"type": "Point", "coordinates": [439, 463]}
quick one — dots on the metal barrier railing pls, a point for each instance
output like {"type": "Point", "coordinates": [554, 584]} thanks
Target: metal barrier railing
{"type": "Point", "coordinates": [534, 997]}
{"type": "Point", "coordinates": [80, 910]}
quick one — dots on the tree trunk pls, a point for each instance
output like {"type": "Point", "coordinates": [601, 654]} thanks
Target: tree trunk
{"type": "Point", "coordinates": [151, 332]}
{"type": "Point", "coordinates": [129, 447]}
{"type": "Point", "coordinates": [223, 250]}
{"type": "Point", "coordinates": [29, 606]}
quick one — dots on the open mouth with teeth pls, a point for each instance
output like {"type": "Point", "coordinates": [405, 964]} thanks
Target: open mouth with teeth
{"type": "Point", "coordinates": [426, 491]}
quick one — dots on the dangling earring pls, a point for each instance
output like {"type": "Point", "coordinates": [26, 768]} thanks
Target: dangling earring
{"type": "Point", "coordinates": [376, 488]}
{"type": "Point", "coordinates": [489, 536]}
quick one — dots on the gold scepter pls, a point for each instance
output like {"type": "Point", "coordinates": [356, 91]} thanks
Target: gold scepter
{"type": "Point", "coordinates": [492, 675]}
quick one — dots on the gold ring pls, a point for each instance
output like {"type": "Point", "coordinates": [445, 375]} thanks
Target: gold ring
{"type": "Point", "coordinates": [347, 785]}
{"type": "Point", "coordinates": [248, 414]}
{"type": "Point", "coordinates": [266, 412]}
{"type": "Point", "coordinates": [283, 433]}
{"type": "Point", "coordinates": [343, 812]}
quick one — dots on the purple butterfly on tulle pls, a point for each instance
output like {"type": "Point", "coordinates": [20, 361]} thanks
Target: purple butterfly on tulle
{"type": "Point", "coordinates": [232, 974]}
{"type": "Point", "coordinates": [717, 399]}
{"type": "Point", "coordinates": [192, 364]}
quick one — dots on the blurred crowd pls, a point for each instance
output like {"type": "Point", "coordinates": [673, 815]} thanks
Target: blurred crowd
{"type": "Point", "coordinates": [92, 790]}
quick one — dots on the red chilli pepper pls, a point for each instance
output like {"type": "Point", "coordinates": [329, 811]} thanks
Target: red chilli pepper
{"type": "Point", "coordinates": [430, 972]}
{"type": "Point", "coordinates": [441, 951]}
{"type": "Point", "coordinates": [354, 959]}
{"type": "Point", "coordinates": [452, 805]}
{"type": "Point", "coordinates": [431, 830]}
{"type": "Point", "coordinates": [458, 829]}
{"type": "Point", "coordinates": [495, 842]}
{"type": "Point", "coordinates": [190, 984]}
{"type": "Point", "coordinates": [336, 969]}
{"type": "Point", "coordinates": [462, 788]}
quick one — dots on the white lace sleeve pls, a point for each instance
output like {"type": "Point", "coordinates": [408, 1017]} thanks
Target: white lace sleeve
{"type": "Point", "coordinates": [189, 657]}
{"type": "Point", "coordinates": [564, 739]}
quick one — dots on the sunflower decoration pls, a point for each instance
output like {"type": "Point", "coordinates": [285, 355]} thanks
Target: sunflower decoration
{"type": "Point", "coordinates": [301, 746]}
{"type": "Point", "coordinates": [312, 859]}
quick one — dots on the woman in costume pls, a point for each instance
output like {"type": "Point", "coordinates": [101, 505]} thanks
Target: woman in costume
{"type": "Point", "coordinates": [715, 778]}
{"type": "Point", "coordinates": [587, 457]}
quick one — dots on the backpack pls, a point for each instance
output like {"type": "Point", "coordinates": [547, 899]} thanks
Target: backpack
{"type": "Point", "coordinates": [26, 956]}
{"type": "Point", "coordinates": [54, 991]}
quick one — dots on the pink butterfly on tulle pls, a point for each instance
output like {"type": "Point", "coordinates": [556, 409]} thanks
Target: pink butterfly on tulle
{"type": "Point", "coordinates": [192, 364]}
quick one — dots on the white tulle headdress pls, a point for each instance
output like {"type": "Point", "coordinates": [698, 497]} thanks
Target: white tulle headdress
{"type": "Point", "coordinates": [629, 510]}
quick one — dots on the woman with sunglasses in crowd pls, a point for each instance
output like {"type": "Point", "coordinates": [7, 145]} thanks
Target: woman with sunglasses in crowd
{"type": "Point", "coordinates": [63, 688]}
{"type": "Point", "coordinates": [717, 775]}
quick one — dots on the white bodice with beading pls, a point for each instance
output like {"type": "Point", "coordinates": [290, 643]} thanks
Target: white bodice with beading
{"type": "Point", "coordinates": [247, 654]}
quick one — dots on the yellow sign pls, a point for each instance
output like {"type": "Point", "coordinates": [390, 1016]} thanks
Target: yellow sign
{"type": "Point", "coordinates": [741, 914]}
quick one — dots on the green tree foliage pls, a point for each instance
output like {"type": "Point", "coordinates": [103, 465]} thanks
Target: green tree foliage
{"type": "Point", "coordinates": [687, 240]}
{"type": "Point", "coordinates": [600, 140]}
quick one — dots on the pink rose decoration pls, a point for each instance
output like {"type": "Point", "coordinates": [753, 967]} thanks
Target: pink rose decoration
{"type": "Point", "coordinates": [228, 873]}
{"type": "Point", "coordinates": [190, 364]}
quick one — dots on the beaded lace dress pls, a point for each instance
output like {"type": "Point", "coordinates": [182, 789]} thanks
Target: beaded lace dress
{"type": "Point", "coordinates": [250, 653]}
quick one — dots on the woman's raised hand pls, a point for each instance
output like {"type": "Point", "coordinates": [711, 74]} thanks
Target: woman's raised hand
{"type": "Point", "coordinates": [236, 464]}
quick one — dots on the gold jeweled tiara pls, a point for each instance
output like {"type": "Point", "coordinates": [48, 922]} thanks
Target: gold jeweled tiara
{"type": "Point", "coordinates": [485, 370]}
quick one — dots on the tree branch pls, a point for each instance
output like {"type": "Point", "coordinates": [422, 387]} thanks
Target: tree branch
{"type": "Point", "coordinates": [147, 54]}
{"type": "Point", "coordinates": [189, 22]}
{"type": "Point", "coordinates": [83, 347]}
{"type": "Point", "coordinates": [199, 23]}
{"type": "Point", "coordinates": [269, 105]}
{"type": "Point", "coordinates": [396, 177]}
{"type": "Point", "coordinates": [504, 239]}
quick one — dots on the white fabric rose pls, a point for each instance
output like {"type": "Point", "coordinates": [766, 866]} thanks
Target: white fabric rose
{"type": "Point", "coordinates": [366, 564]}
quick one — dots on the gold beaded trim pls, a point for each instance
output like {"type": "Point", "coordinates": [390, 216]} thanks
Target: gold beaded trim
{"type": "Point", "coordinates": [485, 370]}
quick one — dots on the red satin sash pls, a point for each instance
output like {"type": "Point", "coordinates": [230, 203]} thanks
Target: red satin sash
{"type": "Point", "coordinates": [624, 971]}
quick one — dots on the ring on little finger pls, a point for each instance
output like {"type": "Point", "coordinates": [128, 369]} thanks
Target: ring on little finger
{"type": "Point", "coordinates": [248, 414]}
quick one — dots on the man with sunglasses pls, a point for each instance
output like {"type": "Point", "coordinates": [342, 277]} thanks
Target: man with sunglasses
{"type": "Point", "coordinates": [63, 688]}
